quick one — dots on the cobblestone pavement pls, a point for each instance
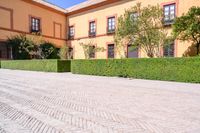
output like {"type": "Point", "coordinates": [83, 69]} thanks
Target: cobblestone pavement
{"type": "Point", "coordinates": [65, 103]}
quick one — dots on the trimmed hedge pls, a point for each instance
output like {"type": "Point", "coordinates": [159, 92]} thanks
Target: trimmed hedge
{"type": "Point", "coordinates": [38, 65]}
{"type": "Point", "coordinates": [63, 66]}
{"type": "Point", "coordinates": [167, 69]}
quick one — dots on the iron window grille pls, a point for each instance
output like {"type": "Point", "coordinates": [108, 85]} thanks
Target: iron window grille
{"type": "Point", "coordinates": [168, 50]}
{"type": "Point", "coordinates": [111, 51]}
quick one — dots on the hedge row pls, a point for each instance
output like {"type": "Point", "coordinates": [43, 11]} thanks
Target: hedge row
{"type": "Point", "coordinates": [38, 65]}
{"type": "Point", "coordinates": [168, 69]}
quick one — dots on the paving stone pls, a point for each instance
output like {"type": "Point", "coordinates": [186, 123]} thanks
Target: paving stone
{"type": "Point", "coordinates": [38, 102]}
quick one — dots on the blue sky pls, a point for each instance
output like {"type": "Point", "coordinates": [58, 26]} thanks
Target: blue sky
{"type": "Point", "coordinates": [65, 3]}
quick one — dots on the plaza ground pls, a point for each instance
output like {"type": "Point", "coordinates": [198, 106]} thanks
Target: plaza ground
{"type": "Point", "coordinates": [62, 102]}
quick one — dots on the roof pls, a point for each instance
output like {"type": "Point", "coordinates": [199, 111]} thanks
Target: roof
{"type": "Point", "coordinates": [79, 7]}
{"type": "Point", "coordinates": [84, 5]}
{"type": "Point", "coordinates": [45, 3]}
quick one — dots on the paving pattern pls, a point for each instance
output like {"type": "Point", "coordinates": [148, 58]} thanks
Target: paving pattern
{"type": "Point", "coordinates": [37, 102]}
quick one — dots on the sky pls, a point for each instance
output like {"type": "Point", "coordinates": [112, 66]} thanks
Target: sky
{"type": "Point", "coordinates": [65, 3]}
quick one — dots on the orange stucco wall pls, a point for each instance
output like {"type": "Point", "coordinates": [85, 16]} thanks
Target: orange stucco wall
{"type": "Point", "coordinates": [15, 19]}
{"type": "Point", "coordinates": [80, 21]}
{"type": "Point", "coordinates": [16, 13]}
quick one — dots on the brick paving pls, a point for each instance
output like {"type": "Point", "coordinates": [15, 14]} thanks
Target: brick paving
{"type": "Point", "coordinates": [37, 102]}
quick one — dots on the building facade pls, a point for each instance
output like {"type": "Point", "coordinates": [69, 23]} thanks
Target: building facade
{"type": "Point", "coordinates": [27, 16]}
{"type": "Point", "coordinates": [92, 22]}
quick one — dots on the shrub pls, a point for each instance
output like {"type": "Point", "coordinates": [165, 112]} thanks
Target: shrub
{"type": "Point", "coordinates": [64, 52]}
{"type": "Point", "coordinates": [38, 65]}
{"type": "Point", "coordinates": [32, 47]}
{"type": "Point", "coordinates": [64, 66]}
{"type": "Point", "coordinates": [20, 46]}
{"type": "Point", "coordinates": [48, 51]}
{"type": "Point", "coordinates": [168, 69]}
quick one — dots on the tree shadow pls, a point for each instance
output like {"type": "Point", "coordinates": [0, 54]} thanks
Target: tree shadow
{"type": "Point", "coordinates": [191, 51]}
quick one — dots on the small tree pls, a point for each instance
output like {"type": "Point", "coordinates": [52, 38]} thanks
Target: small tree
{"type": "Point", "coordinates": [64, 52]}
{"type": "Point", "coordinates": [142, 28]}
{"type": "Point", "coordinates": [187, 27]}
{"type": "Point", "coordinates": [89, 48]}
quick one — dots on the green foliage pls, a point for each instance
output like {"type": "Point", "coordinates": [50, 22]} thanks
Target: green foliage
{"type": "Point", "coordinates": [187, 27]}
{"type": "Point", "coordinates": [64, 52]}
{"type": "Point", "coordinates": [48, 51]}
{"type": "Point", "coordinates": [168, 69]}
{"type": "Point", "coordinates": [89, 48]}
{"type": "Point", "coordinates": [64, 66]}
{"type": "Point", "coordinates": [18, 43]}
{"type": "Point", "coordinates": [38, 65]}
{"type": "Point", "coordinates": [143, 28]}
{"type": "Point", "coordinates": [32, 47]}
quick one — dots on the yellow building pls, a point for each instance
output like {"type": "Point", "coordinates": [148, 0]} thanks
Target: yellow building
{"type": "Point", "coordinates": [92, 22]}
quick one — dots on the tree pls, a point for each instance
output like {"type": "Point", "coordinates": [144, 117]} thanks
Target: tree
{"type": "Point", "coordinates": [142, 27]}
{"type": "Point", "coordinates": [89, 49]}
{"type": "Point", "coordinates": [187, 27]}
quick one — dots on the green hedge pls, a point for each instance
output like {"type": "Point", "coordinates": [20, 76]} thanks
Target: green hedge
{"type": "Point", "coordinates": [168, 69]}
{"type": "Point", "coordinates": [38, 65]}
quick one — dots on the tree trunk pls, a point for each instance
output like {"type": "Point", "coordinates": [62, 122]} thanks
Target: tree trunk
{"type": "Point", "coordinates": [198, 44]}
{"type": "Point", "coordinates": [151, 55]}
